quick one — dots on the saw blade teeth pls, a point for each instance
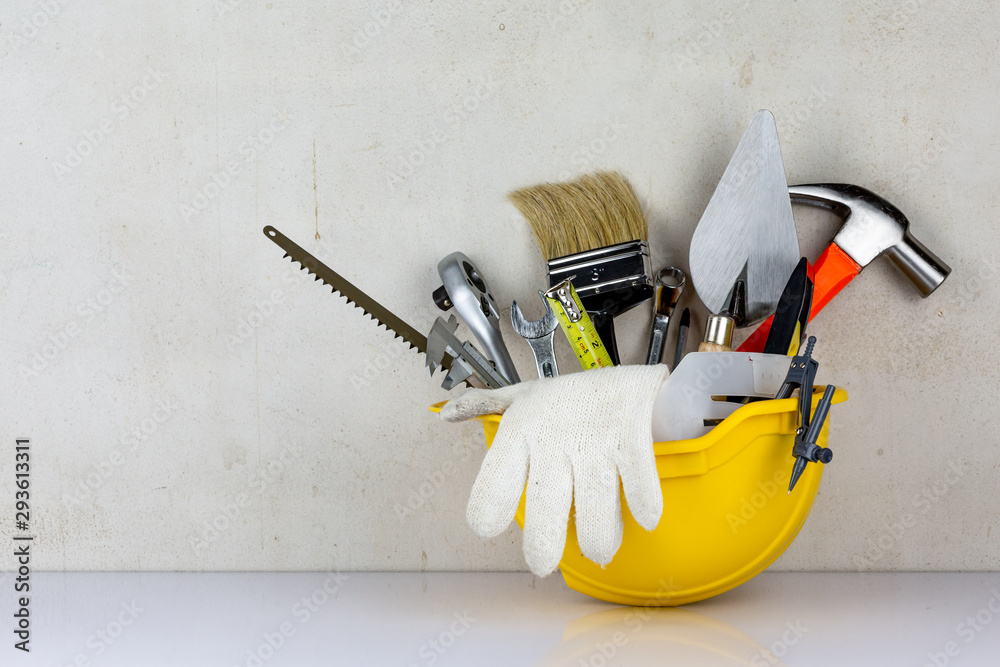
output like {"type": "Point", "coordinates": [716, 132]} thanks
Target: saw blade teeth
{"type": "Point", "coordinates": [325, 275]}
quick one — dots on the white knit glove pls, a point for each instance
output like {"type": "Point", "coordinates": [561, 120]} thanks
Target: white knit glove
{"type": "Point", "coordinates": [577, 433]}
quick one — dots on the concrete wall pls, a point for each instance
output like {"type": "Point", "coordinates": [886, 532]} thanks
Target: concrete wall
{"type": "Point", "coordinates": [157, 347]}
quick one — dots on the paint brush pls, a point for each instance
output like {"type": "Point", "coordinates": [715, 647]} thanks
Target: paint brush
{"type": "Point", "coordinates": [593, 230]}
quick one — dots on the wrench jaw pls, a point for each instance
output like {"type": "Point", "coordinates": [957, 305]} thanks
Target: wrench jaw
{"type": "Point", "coordinates": [539, 335]}
{"type": "Point", "coordinates": [533, 328]}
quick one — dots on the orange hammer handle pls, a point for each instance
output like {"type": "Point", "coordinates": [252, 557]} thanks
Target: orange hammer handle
{"type": "Point", "coordinates": [830, 274]}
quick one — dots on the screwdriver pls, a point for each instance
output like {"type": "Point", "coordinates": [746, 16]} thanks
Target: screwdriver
{"type": "Point", "coordinates": [681, 337]}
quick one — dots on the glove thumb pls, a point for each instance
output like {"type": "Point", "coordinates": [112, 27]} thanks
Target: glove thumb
{"type": "Point", "coordinates": [477, 402]}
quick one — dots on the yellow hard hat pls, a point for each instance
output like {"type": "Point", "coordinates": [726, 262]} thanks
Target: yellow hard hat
{"type": "Point", "coordinates": [726, 512]}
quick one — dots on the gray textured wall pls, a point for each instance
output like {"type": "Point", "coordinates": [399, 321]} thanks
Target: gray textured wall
{"type": "Point", "coordinates": [145, 145]}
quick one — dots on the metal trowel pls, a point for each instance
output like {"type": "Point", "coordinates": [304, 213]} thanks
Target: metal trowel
{"type": "Point", "coordinates": [747, 225]}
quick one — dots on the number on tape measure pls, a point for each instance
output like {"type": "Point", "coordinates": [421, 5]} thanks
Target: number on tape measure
{"type": "Point", "coordinates": [578, 327]}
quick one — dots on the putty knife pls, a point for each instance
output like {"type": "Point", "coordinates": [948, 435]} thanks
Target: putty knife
{"type": "Point", "coordinates": [747, 223]}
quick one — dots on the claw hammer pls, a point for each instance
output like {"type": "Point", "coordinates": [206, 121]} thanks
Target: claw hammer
{"type": "Point", "coordinates": [872, 227]}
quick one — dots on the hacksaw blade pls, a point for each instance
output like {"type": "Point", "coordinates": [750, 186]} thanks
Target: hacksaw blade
{"type": "Point", "coordinates": [357, 298]}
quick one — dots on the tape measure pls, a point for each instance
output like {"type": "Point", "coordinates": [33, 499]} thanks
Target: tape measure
{"type": "Point", "coordinates": [577, 325]}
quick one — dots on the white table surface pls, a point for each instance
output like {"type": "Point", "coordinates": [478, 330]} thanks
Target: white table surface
{"type": "Point", "coordinates": [500, 619]}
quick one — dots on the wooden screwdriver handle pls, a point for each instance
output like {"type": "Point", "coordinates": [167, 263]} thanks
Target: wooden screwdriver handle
{"type": "Point", "coordinates": [830, 274]}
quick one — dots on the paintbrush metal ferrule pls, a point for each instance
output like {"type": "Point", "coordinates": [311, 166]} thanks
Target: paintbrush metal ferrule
{"type": "Point", "coordinates": [604, 270]}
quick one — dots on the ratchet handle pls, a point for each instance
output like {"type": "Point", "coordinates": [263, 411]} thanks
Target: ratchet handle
{"type": "Point", "coordinates": [831, 273]}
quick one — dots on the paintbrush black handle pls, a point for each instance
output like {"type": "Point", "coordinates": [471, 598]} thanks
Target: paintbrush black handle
{"type": "Point", "coordinates": [604, 323]}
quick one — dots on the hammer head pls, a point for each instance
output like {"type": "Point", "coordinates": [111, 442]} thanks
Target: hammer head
{"type": "Point", "coordinates": [872, 227]}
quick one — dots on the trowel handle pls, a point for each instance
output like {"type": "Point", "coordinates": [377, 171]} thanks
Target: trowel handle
{"type": "Point", "coordinates": [830, 274]}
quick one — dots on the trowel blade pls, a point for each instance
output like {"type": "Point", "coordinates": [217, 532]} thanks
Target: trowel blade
{"type": "Point", "coordinates": [748, 222]}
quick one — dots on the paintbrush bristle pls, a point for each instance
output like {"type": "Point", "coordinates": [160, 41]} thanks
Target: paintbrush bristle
{"type": "Point", "coordinates": [594, 211]}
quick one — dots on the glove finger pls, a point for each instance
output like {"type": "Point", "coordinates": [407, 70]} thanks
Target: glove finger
{"type": "Point", "coordinates": [497, 490]}
{"type": "Point", "coordinates": [640, 481]}
{"type": "Point", "coordinates": [476, 402]}
{"type": "Point", "coordinates": [549, 497]}
{"type": "Point", "coordinates": [598, 510]}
